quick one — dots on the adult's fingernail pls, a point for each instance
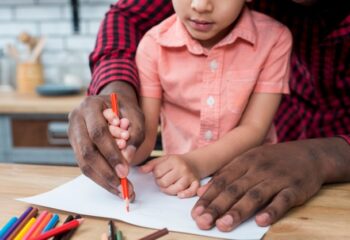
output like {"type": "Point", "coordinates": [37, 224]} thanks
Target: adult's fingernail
{"type": "Point", "coordinates": [263, 219]}
{"type": "Point", "coordinates": [115, 121]}
{"type": "Point", "coordinates": [122, 171]}
{"type": "Point", "coordinates": [125, 135]}
{"type": "Point", "coordinates": [207, 218]}
{"type": "Point", "coordinates": [198, 211]}
{"type": "Point", "coordinates": [227, 220]}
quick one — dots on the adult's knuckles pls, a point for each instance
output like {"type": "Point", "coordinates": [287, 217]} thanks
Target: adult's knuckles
{"type": "Point", "coordinates": [288, 198]}
{"type": "Point", "coordinates": [86, 170]}
{"type": "Point", "coordinates": [98, 132]}
{"type": "Point", "coordinates": [256, 196]}
{"type": "Point", "coordinates": [89, 154]}
{"type": "Point", "coordinates": [214, 210]}
{"type": "Point", "coordinates": [219, 183]}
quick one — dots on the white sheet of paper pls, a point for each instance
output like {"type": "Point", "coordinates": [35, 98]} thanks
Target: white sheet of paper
{"type": "Point", "coordinates": [152, 208]}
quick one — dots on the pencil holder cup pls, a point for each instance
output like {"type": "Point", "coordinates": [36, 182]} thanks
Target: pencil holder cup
{"type": "Point", "coordinates": [28, 76]}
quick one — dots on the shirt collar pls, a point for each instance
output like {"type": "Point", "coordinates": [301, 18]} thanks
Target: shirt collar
{"type": "Point", "coordinates": [174, 34]}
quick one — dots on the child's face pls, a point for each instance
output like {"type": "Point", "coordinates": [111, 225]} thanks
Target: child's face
{"type": "Point", "coordinates": [208, 21]}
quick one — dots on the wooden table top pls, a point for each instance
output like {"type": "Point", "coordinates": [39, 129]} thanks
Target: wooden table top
{"type": "Point", "coordinates": [326, 216]}
{"type": "Point", "coordinates": [14, 103]}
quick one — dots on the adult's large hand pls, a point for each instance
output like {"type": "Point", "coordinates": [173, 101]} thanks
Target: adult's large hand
{"type": "Point", "coordinates": [270, 180]}
{"type": "Point", "coordinates": [96, 152]}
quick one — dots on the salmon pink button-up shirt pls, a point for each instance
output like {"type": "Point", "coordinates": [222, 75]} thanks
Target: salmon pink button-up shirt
{"type": "Point", "coordinates": [204, 92]}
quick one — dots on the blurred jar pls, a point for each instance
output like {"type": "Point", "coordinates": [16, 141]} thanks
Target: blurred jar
{"type": "Point", "coordinates": [7, 71]}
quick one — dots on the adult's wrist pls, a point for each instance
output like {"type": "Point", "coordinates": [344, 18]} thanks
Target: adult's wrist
{"type": "Point", "coordinates": [335, 155]}
{"type": "Point", "coordinates": [124, 90]}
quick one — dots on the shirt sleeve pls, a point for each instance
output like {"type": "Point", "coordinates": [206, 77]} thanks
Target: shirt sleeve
{"type": "Point", "coordinates": [346, 138]}
{"type": "Point", "coordinates": [275, 74]}
{"type": "Point", "coordinates": [120, 31]}
{"type": "Point", "coordinates": [146, 61]}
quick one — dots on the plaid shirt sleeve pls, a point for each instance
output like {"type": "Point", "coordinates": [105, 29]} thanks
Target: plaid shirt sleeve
{"type": "Point", "coordinates": [346, 138]}
{"type": "Point", "coordinates": [120, 31]}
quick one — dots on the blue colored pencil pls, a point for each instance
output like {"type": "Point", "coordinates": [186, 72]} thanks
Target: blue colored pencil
{"type": "Point", "coordinates": [52, 223]}
{"type": "Point", "coordinates": [17, 223]}
{"type": "Point", "coordinates": [7, 226]}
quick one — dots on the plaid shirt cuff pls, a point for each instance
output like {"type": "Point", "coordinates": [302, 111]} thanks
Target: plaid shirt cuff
{"type": "Point", "coordinates": [113, 70]}
{"type": "Point", "coordinates": [346, 138]}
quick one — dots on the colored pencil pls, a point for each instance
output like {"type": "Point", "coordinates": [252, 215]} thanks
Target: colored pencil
{"type": "Point", "coordinates": [68, 235]}
{"type": "Point", "coordinates": [15, 225]}
{"type": "Point", "coordinates": [68, 219]}
{"type": "Point", "coordinates": [7, 226]}
{"type": "Point", "coordinates": [61, 229]}
{"type": "Point", "coordinates": [35, 225]}
{"type": "Point", "coordinates": [22, 221]}
{"type": "Point", "coordinates": [25, 229]}
{"type": "Point", "coordinates": [119, 235]}
{"type": "Point", "coordinates": [111, 228]}
{"type": "Point", "coordinates": [54, 220]}
{"type": "Point", "coordinates": [155, 235]}
{"type": "Point", "coordinates": [124, 181]}
{"type": "Point", "coordinates": [41, 225]}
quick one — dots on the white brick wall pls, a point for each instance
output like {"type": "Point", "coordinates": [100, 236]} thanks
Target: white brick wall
{"type": "Point", "coordinates": [52, 19]}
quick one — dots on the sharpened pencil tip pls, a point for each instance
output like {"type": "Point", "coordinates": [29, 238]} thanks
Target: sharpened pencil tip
{"type": "Point", "coordinates": [127, 204]}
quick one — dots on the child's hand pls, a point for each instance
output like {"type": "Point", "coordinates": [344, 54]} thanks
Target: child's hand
{"type": "Point", "coordinates": [174, 175]}
{"type": "Point", "coordinates": [118, 129]}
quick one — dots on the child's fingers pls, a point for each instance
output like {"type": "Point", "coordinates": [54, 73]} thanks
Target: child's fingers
{"type": "Point", "coordinates": [177, 187]}
{"type": "Point", "coordinates": [189, 192]}
{"type": "Point", "coordinates": [124, 123]}
{"type": "Point", "coordinates": [121, 143]}
{"type": "Point", "coordinates": [168, 179]}
{"type": "Point", "coordinates": [117, 132]}
{"type": "Point", "coordinates": [158, 166]}
{"type": "Point", "coordinates": [111, 117]}
{"type": "Point", "coordinates": [163, 167]}
{"type": "Point", "coordinates": [150, 165]}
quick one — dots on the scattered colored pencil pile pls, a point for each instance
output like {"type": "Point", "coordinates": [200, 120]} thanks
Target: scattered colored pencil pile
{"type": "Point", "coordinates": [34, 226]}
{"type": "Point", "coordinates": [116, 234]}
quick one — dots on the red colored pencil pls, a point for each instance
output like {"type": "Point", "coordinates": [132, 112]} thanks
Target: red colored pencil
{"type": "Point", "coordinates": [114, 102]}
{"type": "Point", "coordinates": [124, 181]}
{"type": "Point", "coordinates": [58, 230]}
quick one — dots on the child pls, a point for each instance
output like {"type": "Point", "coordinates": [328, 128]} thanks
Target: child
{"type": "Point", "coordinates": [214, 73]}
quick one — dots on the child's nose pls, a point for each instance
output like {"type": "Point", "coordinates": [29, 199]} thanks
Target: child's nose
{"type": "Point", "coordinates": [202, 5]}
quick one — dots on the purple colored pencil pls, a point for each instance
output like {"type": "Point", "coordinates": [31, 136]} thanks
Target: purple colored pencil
{"type": "Point", "coordinates": [19, 220]}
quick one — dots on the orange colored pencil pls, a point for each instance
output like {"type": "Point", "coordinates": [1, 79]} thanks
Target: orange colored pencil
{"type": "Point", "coordinates": [124, 181]}
{"type": "Point", "coordinates": [41, 225]}
{"type": "Point", "coordinates": [61, 229]}
{"type": "Point", "coordinates": [35, 226]}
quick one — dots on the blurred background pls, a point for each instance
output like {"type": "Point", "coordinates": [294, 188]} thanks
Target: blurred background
{"type": "Point", "coordinates": [44, 71]}
{"type": "Point", "coordinates": [69, 28]}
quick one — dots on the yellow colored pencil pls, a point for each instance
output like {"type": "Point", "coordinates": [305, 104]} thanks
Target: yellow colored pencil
{"type": "Point", "coordinates": [25, 229]}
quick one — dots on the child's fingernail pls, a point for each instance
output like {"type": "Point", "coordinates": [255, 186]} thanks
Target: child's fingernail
{"type": "Point", "coordinates": [124, 135]}
{"type": "Point", "coordinates": [121, 170]}
{"type": "Point", "coordinates": [115, 122]}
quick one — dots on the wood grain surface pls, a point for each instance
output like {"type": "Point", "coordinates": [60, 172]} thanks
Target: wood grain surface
{"type": "Point", "coordinates": [326, 216]}
{"type": "Point", "coordinates": [33, 103]}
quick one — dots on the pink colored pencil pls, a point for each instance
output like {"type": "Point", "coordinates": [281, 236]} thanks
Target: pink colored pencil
{"type": "Point", "coordinates": [41, 225]}
{"type": "Point", "coordinates": [35, 225]}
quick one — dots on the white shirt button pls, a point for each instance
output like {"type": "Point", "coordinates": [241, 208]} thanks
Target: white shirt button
{"type": "Point", "coordinates": [213, 65]}
{"type": "Point", "coordinates": [210, 101]}
{"type": "Point", "coordinates": [208, 135]}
